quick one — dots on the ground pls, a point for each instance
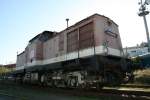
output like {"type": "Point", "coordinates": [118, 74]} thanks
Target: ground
{"type": "Point", "coordinates": [12, 91]}
{"type": "Point", "coordinates": [28, 92]}
{"type": "Point", "coordinates": [9, 91]}
{"type": "Point", "coordinates": [142, 76]}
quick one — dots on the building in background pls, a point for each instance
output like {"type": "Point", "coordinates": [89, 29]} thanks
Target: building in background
{"type": "Point", "coordinates": [135, 51]}
{"type": "Point", "coordinates": [140, 54]}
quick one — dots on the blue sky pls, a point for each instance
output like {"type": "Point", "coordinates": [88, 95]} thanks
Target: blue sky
{"type": "Point", "coordinates": [20, 20]}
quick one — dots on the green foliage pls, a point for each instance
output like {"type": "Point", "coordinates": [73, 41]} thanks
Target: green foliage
{"type": "Point", "coordinates": [136, 60]}
{"type": "Point", "coordinates": [3, 70]}
{"type": "Point", "coordinates": [136, 63]}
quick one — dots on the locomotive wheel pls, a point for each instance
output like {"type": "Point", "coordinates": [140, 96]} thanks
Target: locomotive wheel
{"type": "Point", "coordinates": [97, 86]}
{"type": "Point", "coordinates": [43, 80]}
{"type": "Point", "coordinates": [72, 82]}
{"type": "Point", "coordinates": [87, 86]}
{"type": "Point", "coordinates": [55, 83]}
{"type": "Point", "coordinates": [112, 78]}
{"type": "Point", "coordinates": [82, 86]}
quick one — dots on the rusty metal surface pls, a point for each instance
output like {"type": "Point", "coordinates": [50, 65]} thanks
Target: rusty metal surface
{"type": "Point", "coordinates": [86, 36]}
{"type": "Point", "coordinates": [111, 34]}
{"type": "Point", "coordinates": [39, 51]}
{"type": "Point", "coordinates": [87, 33]}
{"type": "Point", "coordinates": [72, 41]}
{"type": "Point", "coordinates": [21, 59]}
{"type": "Point", "coordinates": [51, 48]}
{"type": "Point", "coordinates": [61, 42]}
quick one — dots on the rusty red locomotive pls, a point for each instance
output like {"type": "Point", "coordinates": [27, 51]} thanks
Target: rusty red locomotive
{"type": "Point", "coordinates": [87, 53]}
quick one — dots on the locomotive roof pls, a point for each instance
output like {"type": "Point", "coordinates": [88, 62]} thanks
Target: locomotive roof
{"type": "Point", "coordinates": [88, 19]}
{"type": "Point", "coordinates": [21, 53]}
{"type": "Point", "coordinates": [53, 35]}
{"type": "Point", "coordinates": [50, 33]}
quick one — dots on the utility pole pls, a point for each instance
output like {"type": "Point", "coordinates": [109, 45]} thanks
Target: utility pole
{"type": "Point", "coordinates": [143, 13]}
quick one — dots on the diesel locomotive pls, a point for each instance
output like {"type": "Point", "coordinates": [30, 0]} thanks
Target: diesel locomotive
{"type": "Point", "coordinates": [86, 54]}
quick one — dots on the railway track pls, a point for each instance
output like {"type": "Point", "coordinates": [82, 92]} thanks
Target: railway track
{"type": "Point", "coordinates": [112, 92]}
{"type": "Point", "coordinates": [135, 85]}
{"type": "Point", "coordinates": [123, 94]}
